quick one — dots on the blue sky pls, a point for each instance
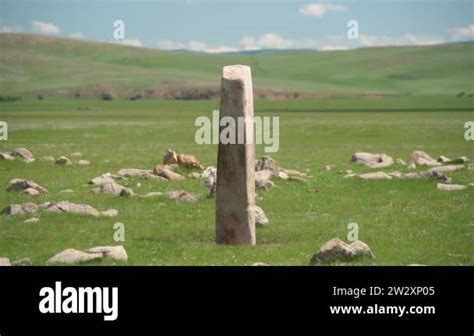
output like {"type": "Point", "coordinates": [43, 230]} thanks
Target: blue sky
{"type": "Point", "coordinates": [219, 26]}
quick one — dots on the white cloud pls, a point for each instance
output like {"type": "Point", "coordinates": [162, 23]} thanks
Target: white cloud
{"type": "Point", "coordinates": [11, 29]}
{"type": "Point", "coordinates": [130, 42]}
{"type": "Point", "coordinates": [195, 46]}
{"type": "Point", "coordinates": [76, 36]}
{"type": "Point", "coordinates": [466, 32]}
{"type": "Point", "coordinates": [44, 27]}
{"type": "Point", "coordinates": [266, 41]}
{"type": "Point", "coordinates": [320, 9]}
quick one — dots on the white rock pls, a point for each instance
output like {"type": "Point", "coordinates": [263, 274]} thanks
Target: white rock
{"type": "Point", "coordinates": [260, 218]}
{"type": "Point", "coordinates": [372, 160]}
{"type": "Point", "coordinates": [116, 253]}
{"type": "Point", "coordinates": [72, 256]}
{"type": "Point", "coordinates": [447, 169]}
{"type": "Point", "coordinates": [421, 158]}
{"type": "Point", "coordinates": [375, 176]}
{"type": "Point", "coordinates": [109, 213]}
{"type": "Point", "coordinates": [450, 187]}
{"type": "Point", "coordinates": [5, 262]}
{"type": "Point", "coordinates": [336, 249]}
{"type": "Point", "coordinates": [83, 163]}
{"type": "Point", "coordinates": [20, 209]}
{"type": "Point", "coordinates": [63, 161]}
{"type": "Point", "coordinates": [32, 220]}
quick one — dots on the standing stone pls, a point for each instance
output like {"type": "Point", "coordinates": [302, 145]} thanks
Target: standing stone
{"type": "Point", "coordinates": [235, 188]}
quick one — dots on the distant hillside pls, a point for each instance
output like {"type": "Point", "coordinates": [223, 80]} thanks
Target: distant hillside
{"type": "Point", "coordinates": [32, 65]}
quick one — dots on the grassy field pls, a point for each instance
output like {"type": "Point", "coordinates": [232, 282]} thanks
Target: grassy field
{"type": "Point", "coordinates": [403, 222]}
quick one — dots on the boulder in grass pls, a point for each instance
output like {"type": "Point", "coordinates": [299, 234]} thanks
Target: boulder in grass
{"type": "Point", "coordinates": [401, 162]}
{"type": "Point", "coordinates": [103, 179]}
{"type": "Point", "coordinates": [68, 207]}
{"type": "Point", "coordinates": [260, 217]}
{"type": "Point", "coordinates": [447, 169]}
{"type": "Point", "coordinates": [109, 213]}
{"type": "Point", "coordinates": [22, 184]}
{"type": "Point", "coordinates": [83, 163]}
{"type": "Point", "coordinates": [421, 158]}
{"type": "Point", "coordinates": [63, 161]}
{"type": "Point", "coordinates": [48, 159]}
{"type": "Point", "coordinates": [127, 193]}
{"type": "Point", "coordinates": [72, 256]}
{"type": "Point", "coordinates": [109, 188]}
{"type": "Point", "coordinates": [6, 156]}
{"type": "Point", "coordinates": [375, 176]}
{"type": "Point", "coordinates": [138, 173]}
{"type": "Point", "coordinates": [20, 209]}
{"type": "Point", "coordinates": [259, 263]}
{"type": "Point", "coordinates": [115, 253]}
{"type": "Point", "coordinates": [31, 192]}
{"type": "Point", "coordinates": [32, 220]}
{"type": "Point", "coordinates": [168, 174]}
{"type": "Point", "coordinates": [23, 153]}
{"type": "Point", "coordinates": [5, 262]}
{"type": "Point", "coordinates": [337, 250]}
{"type": "Point", "coordinates": [76, 154]}
{"type": "Point", "coordinates": [22, 262]}
{"type": "Point", "coordinates": [182, 196]}
{"type": "Point", "coordinates": [450, 187]}
{"type": "Point", "coordinates": [434, 175]}
{"type": "Point", "coordinates": [372, 160]}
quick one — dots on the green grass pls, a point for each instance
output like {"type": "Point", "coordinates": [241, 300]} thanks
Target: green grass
{"type": "Point", "coordinates": [403, 221]}
{"type": "Point", "coordinates": [58, 66]}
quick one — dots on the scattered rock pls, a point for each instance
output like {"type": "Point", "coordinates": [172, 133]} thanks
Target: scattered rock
{"type": "Point", "coordinates": [336, 249]}
{"type": "Point", "coordinates": [450, 187]}
{"type": "Point", "coordinates": [461, 159]}
{"type": "Point", "coordinates": [259, 263]}
{"type": "Point", "coordinates": [421, 158]}
{"type": "Point", "coordinates": [83, 163]}
{"type": "Point", "coordinates": [109, 188]}
{"type": "Point", "coordinates": [425, 176]}
{"type": "Point", "coordinates": [401, 162]}
{"type": "Point", "coordinates": [140, 173]}
{"type": "Point", "coordinates": [412, 166]}
{"type": "Point", "coordinates": [195, 175]}
{"type": "Point", "coordinates": [116, 253]}
{"type": "Point", "coordinates": [20, 209]}
{"type": "Point", "coordinates": [63, 161]}
{"type": "Point", "coordinates": [327, 167]}
{"type": "Point", "coordinates": [443, 159]}
{"type": "Point", "coordinates": [375, 176]}
{"type": "Point", "coordinates": [66, 191]}
{"type": "Point", "coordinates": [395, 174]}
{"type": "Point", "coordinates": [23, 153]}
{"type": "Point", "coordinates": [48, 159]}
{"type": "Point", "coordinates": [109, 213]}
{"type": "Point", "coordinates": [31, 192]}
{"type": "Point", "coordinates": [372, 160]}
{"type": "Point", "coordinates": [6, 156]}
{"type": "Point", "coordinates": [68, 207]}
{"type": "Point", "coordinates": [72, 256]}
{"type": "Point", "coordinates": [32, 220]}
{"type": "Point", "coordinates": [260, 218]}
{"type": "Point", "coordinates": [76, 154]}
{"type": "Point", "coordinates": [127, 192]}
{"type": "Point", "coordinates": [103, 179]}
{"type": "Point", "coordinates": [5, 262]}
{"type": "Point", "coordinates": [182, 196]}
{"type": "Point", "coordinates": [263, 179]}
{"type": "Point", "coordinates": [22, 262]}
{"type": "Point", "coordinates": [446, 169]}
{"type": "Point", "coordinates": [168, 174]}
{"type": "Point", "coordinates": [21, 184]}
{"type": "Point", "coordinates": [471, 166]}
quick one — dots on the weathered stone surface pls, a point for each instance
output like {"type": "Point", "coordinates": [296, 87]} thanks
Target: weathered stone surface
{"type": "Point", "coordinates": [20, 209]}
{"type": "Point", "coordinates": [372, 160]}
{"type": "Point", "coordinates": [32, 220]}
{"type": "Point", "coordinates": [109, 188]}
{"type": "Point", "coordinates": [22, 184]}
{"type": "Point", "coordinates": [109, 213]}
{"type": "Point", "coordinates": [375, 176]}
{"type": "Point", "coordinates": [337, 250]}
{"type": "Point", "coordinates": [168, 174]}
{"type": "Point", "coordinates": [327, 167]}
{"type": "Point", "coordinates": [450, 187]}
{"type": "Point", "coordinates": [116, 253]}
{"type": "Point", "coordinates": [446, 169]}
{"type": "Point", "coordinates": [127, 192]}
{"type": "Point", "coordinates": [63, 161]}
{"type": "Point", "coordinates": [425, 176]}
{"type": "Point", "coordinates": [68, 207]}
{"type": "Point", "coordinates": [263, 179]}
{"type": "Point", "coordinates": [139, 173]}
{"type": "Point", "coordinates": [235, 190]}
{"type": "Point", "coordinates": [22, 262]}
{"type": "Point", "coordinates": [412, 166]}
{"type": "Point", "coordinates": [260, 217]}
{"type": "Point", "coordinates": [182, 196]}
{"type": "Point", "coordinates": [6, 156]}
{"type": "Point", "coordinates": [103, 179]}
{"type": "Point", "coordinates": [76, 154]}
{"type": "Point", "coordinates": [72, 256]}
{"type": "Point", "coordinates": [83, 163]}
{"type": "Point", "coordinates": [23, 153]}
{"type": "Point", "coordinates": [423, 159]}
{"type": "Point", "coordinates": [5, 262]}
{"type": "Point", "coordinates": [31, 192]}
{"type": "Point", "coordinates": [153, 194]}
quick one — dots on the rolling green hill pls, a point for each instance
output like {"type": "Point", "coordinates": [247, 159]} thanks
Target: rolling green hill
{"type": "Point", "coordinates": [31, 64]}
